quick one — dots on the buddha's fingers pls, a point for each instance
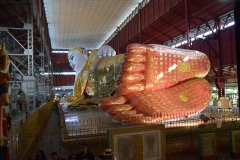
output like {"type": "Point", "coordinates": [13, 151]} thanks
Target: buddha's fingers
{"type": "Point", "coordinates": [129, 88]}
{"type": "Point", "coordinates": [120, 116]}
{"type": "Point", "coordinates": [127, 77]}
{"type": "Point", "coordinates": [133, 67]}
{"type": "Point", "coordinates": [105, 103]}
{"type": "Point", "coordinates": [136, 48]}
{"type": "Point", "coordinates": [131, 79]}
{"type": "Point", "coordinates": [135, 57]}
{"type": "Point", "coordinates": [113, 109]}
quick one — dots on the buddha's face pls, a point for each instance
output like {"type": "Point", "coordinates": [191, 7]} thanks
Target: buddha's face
{"type": "Point", "coordinates": [77, 60]}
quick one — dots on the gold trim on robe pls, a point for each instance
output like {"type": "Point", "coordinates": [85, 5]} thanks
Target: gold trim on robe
{"type": "Point", "coordinates": [98, 78]}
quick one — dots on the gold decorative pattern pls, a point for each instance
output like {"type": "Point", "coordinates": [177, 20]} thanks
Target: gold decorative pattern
{"type": "Point", "coordinates": [184, 66]}
{"type": "Point", "coordinates": [176, 99]}
{"type": "Point", "coordinates": [236, 141]}
{"type": "Point", "coordinates": [183, 97]}
{"type": "Point", "coordinates": [170, 66]}
{"type": "Point", "coordinates": [209, 146]}
{"type": "Point", "coordinates": [138, 147]}
{"type": "Point", "coordinates": [103, 76]}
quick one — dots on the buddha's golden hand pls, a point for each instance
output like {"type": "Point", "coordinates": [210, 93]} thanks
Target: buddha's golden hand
{"type": "Point", "coordinates": [68, 99]}
{"type": "Point", "coordinates": [71, 99]}
{"type": "Point", "coordinates": [157, 79]}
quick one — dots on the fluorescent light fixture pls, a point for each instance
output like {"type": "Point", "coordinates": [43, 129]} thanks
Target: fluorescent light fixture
{"type": "Point", "coordinates": [209, 32]}
{"type": "Point", "coordinates": [200, 36]}
{"type": "Point", "coordinates": [229, 24]}
{"type": "Point", "coordinates": [59, 51]}
{"type": "Point", "coordinates": [59, 73]}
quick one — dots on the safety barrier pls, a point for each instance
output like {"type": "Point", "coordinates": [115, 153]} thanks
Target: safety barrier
{"type": "Point", "coordinates": [65, 138]}
{"type": "Point", "coordinates": [25, 136]}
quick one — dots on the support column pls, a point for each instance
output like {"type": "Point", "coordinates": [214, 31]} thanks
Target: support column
{"type": "Point", "coordinates": [48, 78]}
{"type": "Point", "coordinates": [221, 79]}
{"type": "Point", "coordinates": [237, 37]}
{"type": "Point", "coordinates": [30, 39]}
{"type": "Point", "coordinates": [29, 82]}
{"type": "Point", "coordinates": [187, 23]}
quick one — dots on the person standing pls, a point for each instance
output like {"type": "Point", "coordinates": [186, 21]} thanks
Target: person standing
{"type": "Point", "coordinates": [72, 157]}
{"type": "Point", "coordinates": [84, 154]}
{"type": "Point", "coordinates": [9, 121]}
{"type": "Point", "coordinates": [40, 155]}
{"type": "Point", "coordinates": [54, 156]}
{"type": "Point", "coordinates": [107, 155]}
{"type": "Point", "coordinates": [20, 107]}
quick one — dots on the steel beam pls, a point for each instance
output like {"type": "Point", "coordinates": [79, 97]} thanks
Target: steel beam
{"type": "Point", "coordinates": [237, 36]}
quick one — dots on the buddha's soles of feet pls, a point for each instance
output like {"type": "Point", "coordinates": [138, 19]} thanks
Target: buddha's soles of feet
{"type": "Point", "coordinates": [154, 67]}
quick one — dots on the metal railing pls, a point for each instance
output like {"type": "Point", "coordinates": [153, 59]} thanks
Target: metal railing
{"type": "Point", "coordinates": [66, 137]}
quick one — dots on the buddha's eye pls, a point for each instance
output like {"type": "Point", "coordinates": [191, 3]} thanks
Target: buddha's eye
{"type": "Point", "coordinates": [71, 57]}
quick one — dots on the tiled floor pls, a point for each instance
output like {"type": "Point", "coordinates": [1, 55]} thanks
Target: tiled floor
{"type": "Point", "coordinates": [21, 115]}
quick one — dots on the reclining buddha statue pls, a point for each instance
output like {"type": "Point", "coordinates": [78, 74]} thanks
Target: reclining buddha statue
{"type": "Point", "coordinates": [142, 85]}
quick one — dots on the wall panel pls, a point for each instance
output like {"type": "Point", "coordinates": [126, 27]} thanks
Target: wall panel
{"type": "Point", "coordinates": [136, 25]}
{"type": "Point", "coordinates": [54, 80]}
{"type": "Point", "coordinates": [226, 52]}
{"type": "Point", "coordinates": [151, 12]}
{"type": "Point", "coordinates": [68, 81]}
{"type": "Point", "coordinates": [156, 11]}
{"type": "Point", "coordinates": [60, 62]}
{"type": "Point", "coordinates": [72, 79]}
{"type": "Point", "coordinates": [228, 45]}
{"type": "Point", "coordinates": [63, 80]}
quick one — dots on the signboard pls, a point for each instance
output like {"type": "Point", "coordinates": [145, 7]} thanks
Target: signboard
{"type": "Point", "coordinates": [138, 142]}
{"type": "Point", "coordinates": [207, 144]}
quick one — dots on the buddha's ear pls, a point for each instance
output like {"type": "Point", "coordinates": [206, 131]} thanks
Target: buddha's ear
{"type": "Point", "coordinates": [85, 53]}
{"type": "Point", "coordinates": [92, 55]}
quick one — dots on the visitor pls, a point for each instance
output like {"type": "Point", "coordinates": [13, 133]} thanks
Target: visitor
{"type": "Point", "coordinates": [54, 156]}
{"type": "Point", "coordinates": [84, 154]}
{"type": "Point", "coordinates": [9, 121]}
{"type": "Point", "coordinates": [20, 107]}
{"type": "Point", "coordinates": [40, 155]}
{"type": "Point", "coordinates": [107, 155]}
{"type": "Point", "coordinates": [26, 115]}
{"type": "Point", "coordinates": [72, 157]}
